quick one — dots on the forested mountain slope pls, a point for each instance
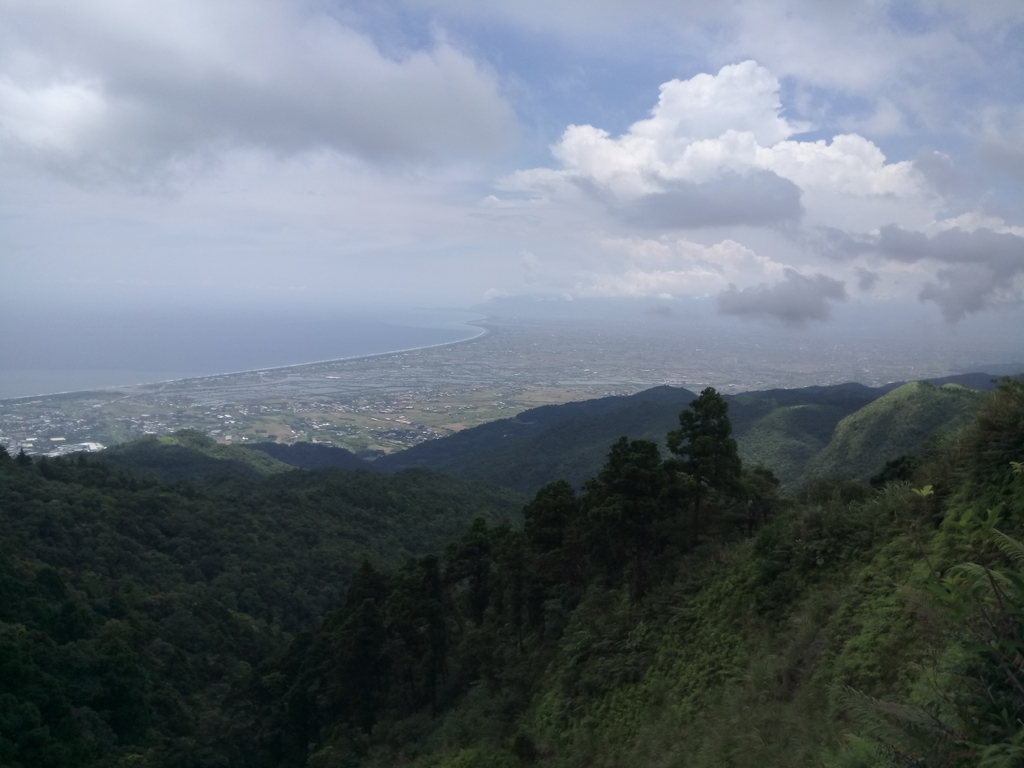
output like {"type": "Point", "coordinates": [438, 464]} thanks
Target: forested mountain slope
{"type": "Point", "coordinates": [653, 622]}
{"type": "Point", "coordinates": [311, 455]}
{"type": "Point", "coordinates": [548, 443]}
{"type": "Point", "coordinates": [191, 455]}
{"type": "Point", "coordinates": [130, 607]}
{"type": "Point", "coordinates": [782, 429]}
{"type": "Point", "coordinates": [677, 610]}
{"type": "Point", "coordinates": [899, 422]}
{"type": "Point", "coordinates": [785, 429]}
{"type": "Point", "coordinates": [543, 444]}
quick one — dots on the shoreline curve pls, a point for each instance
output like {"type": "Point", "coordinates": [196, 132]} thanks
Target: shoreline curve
{"type": "Point", "coordinates": [478, 324]}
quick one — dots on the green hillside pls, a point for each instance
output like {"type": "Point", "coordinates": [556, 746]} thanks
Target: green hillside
{"type": "Point", "coordinates": [784, 430]}
{"type": "Point", "coordinates": [548, 443]}
{"type": "Point", "coordinates": [677, 610]}
{"type": "Point", "coordinates": [897, 423]}
{"type": "Point", "coordinates": [310, 455]}
{"type": "Point", "coordinates": [825, 638]}
{"type": "Point", "coordinates": [190, 455]}
{"type": "Point", "coordinates": [781, 429]}
{"type": "Point", "coordinates": [787, 438]}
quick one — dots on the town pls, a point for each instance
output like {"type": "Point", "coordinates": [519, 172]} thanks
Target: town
{"type": "Point", "coordinates": [383, 403]}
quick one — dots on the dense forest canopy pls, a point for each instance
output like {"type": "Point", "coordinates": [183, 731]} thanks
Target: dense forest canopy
{"type": "Point", "coordinates": [677, 609]}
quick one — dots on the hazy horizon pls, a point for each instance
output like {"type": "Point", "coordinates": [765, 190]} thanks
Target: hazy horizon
{"type": "Point", "coordinates": [786, 167]}
{"type": "Point", "coordinates": [68, 352]}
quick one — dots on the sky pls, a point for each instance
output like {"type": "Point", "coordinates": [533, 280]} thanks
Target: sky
{"type": "Point", "coordinates": [780, 160]}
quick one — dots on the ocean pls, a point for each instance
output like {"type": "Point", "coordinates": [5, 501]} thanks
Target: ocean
{"type": "Point", "coordinates": [74, 351]}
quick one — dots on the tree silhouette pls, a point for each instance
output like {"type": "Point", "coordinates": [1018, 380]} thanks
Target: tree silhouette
{"type": "Point", "coordinates": [706, 450]}
{"type": "Point", "coordinates": [624, 502]}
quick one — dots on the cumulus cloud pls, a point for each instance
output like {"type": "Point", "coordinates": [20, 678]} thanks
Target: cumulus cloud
{"type": "Point", "coordinates": [677, 267]}
{"type": "Point", "coordinates": [129, 88]}
{"type": "Point", "coordinates": [794, 301]}
{"type": "Point", "coordinates": [289, 121]}
{"type": "Point", "coordinates": [969, 221]}
{"type": "Point", "coordinates": [758, 199]}
{"type": "Point", "coordinates": [976, 266]}
{"type": "Point", "coordinates": [720, 142]}
{"type": "Point", "coordinates": [984, 266]}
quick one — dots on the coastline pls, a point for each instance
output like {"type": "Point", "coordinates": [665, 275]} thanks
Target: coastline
{"type": "Point", "coordinates": [478, 324]}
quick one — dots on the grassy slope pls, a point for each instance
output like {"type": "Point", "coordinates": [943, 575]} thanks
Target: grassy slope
{"type": "Point", "coordinates": [749, 656]}
{"type": "Point", "coordinates": [898, 423]}
{"type": "Point", "coordinates": [785, 429]}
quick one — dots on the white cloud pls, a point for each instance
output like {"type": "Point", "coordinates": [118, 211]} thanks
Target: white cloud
{"type": "Point", "coordinates": [678, 267]}
{"type": "Point", "coordinates": [850, 165]}
{"type": "Point", "coordinates": [972, 220]}
{"type": "Point", "coordinates": [134, 87]}
{"type": "Point", "coordinates": [713, 126]}
{"type": "Point", "coordinates": [54, 116]}
{"type": "Point", "coordinates": [971, 269]}
{"type": "Point", "coordinates": [339, 147]}
{"type": "Point", "coordinates": [698, 128]}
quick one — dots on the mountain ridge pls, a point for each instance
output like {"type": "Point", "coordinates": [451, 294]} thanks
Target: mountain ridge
{"type": "Point", "coordinates": [568, 442]}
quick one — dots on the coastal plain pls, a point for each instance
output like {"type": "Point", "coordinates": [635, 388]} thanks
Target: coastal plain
{"type": "Point", "coordinates": [388, 402]}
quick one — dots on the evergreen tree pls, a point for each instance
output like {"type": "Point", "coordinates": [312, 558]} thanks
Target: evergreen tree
{"type": "Point", "coordinates": [553, 536]}
{"type": "Point", "coordinates": [469, 560]}
{"type": "Point", "coordinates": [548, 515]}
{"type": "Point", "coordinates": [708, 457]}
{"type": "Point", "coordinates": [510, 578]}
{"type": "Point", "coordinates": [624, 502]}
{"type": "Point", "coordinates": [704, 442]}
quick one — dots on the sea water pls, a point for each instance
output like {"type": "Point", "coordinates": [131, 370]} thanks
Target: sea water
{"type": "Point", "coordinates": [70, 352]}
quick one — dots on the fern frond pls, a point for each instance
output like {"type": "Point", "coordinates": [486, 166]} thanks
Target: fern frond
{"type": "Point", "coordinates": [1001, 756]}
{"type": "Point", "coordinates": [1010, 547]}
{"type": "Point", "coordinates": [892, 723]}
{"type": "Point", "coordinates": [980, 576]}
